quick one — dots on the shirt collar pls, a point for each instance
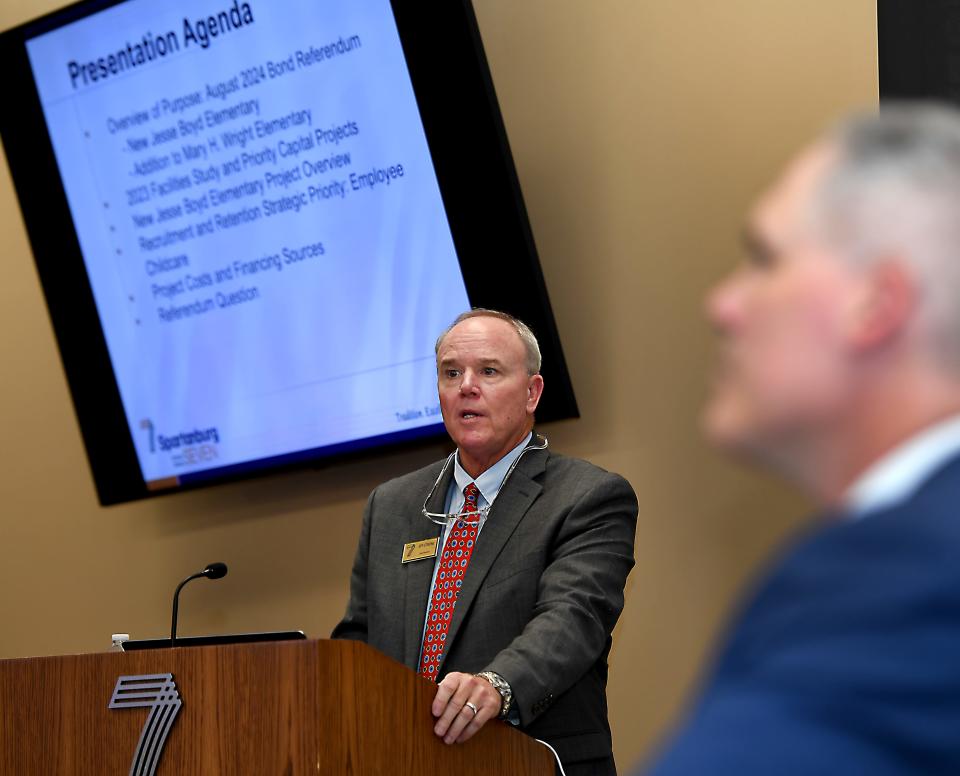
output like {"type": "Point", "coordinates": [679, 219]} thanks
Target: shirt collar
{"type": "Point", "coordinates": [491, 480]}
{"type": "Point", "coordinates": [897, 475]}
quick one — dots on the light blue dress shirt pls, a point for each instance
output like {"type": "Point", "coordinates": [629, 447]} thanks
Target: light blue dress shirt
{"type": "Point", "coordinates": [897, 475]}
{"type": "Point", "coordinates": [489, 484]}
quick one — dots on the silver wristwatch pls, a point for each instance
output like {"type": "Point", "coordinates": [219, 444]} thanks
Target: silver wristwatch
{"type": "Point", "coordinates": [501, 686]}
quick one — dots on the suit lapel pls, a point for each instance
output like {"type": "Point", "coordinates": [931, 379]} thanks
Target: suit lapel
{"type": "Point", "coordinates": [419, 574]}
{"type": "Point", "coordinates": [510, 507]}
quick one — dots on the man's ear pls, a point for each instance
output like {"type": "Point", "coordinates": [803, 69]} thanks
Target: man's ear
{"type": "Point", "coordinates": [534, 392]}
{"type": "Point", "coordinates": [888, 304]}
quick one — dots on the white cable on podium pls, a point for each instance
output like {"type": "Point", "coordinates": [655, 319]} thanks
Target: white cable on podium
{"type": "Point", "coordinates": [555, 756]}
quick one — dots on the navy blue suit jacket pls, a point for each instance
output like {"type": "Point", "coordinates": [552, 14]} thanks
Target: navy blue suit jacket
{"type": "Point", "coordinates": [847, 659]}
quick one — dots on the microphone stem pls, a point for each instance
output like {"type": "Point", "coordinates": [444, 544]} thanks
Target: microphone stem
{"type": "Point", "coordinates": [176, 605]}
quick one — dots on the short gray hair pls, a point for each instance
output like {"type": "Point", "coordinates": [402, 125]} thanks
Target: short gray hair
{"type": "Point", "coordinates": [894, 190]}
{"type": "Point", "coordinates": [527, 337]}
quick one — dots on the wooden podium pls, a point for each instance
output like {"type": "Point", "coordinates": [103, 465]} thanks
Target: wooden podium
{"type": "Point", "coordinates": [318, 707]}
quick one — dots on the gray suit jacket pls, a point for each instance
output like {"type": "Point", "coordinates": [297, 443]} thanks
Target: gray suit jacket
{"type": "Point", "coordinates": [541, 595]}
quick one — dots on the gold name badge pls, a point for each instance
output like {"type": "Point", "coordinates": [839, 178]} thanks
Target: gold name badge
{"type": "Point", "coordinates": [425, 548]}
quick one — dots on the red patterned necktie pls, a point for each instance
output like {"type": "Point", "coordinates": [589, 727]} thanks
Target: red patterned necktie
{"type": "Point", "coordinates": [446, 586]}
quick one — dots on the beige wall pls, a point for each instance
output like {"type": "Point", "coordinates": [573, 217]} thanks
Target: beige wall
{"type": "Point", "coordinates": [640, 129]}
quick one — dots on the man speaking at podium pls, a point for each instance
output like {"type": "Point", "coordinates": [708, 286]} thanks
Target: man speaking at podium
{"type": "Point", "coordinates": [499, 573]}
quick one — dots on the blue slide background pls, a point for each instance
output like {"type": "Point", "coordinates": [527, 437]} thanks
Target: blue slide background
{"type": "Point", "coordinates": [260, 221]}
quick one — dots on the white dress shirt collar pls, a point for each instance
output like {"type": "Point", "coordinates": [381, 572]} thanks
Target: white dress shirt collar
{"type": "Point", "coordinates": [897, 475]}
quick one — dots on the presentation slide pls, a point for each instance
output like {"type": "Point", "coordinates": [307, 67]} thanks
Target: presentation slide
{"type": "Point", "coordinates": [260, 221]}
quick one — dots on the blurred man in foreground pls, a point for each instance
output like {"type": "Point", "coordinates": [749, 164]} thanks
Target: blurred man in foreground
{"type": "Point", "coordinates": [500, 572]}
{"type": "Point", "coordinates": [840, 369]}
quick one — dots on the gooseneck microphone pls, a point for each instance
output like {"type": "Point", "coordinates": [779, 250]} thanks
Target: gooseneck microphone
{"type": "Point", "coordinates": [212, 571]}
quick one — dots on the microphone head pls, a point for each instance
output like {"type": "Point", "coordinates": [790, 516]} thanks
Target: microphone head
{"type": "Point", "coordinates": [215, 571]}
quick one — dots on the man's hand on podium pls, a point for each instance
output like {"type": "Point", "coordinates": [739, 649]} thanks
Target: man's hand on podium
{"type": "Point", "coordinates": [464, 703]}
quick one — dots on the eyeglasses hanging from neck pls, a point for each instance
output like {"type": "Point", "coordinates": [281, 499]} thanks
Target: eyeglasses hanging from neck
{"type": "Point", "coordinates": [445, 518]}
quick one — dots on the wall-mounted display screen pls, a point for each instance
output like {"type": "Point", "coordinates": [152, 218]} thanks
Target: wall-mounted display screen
{"type": "Point", "coordinates": [251, 220]}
